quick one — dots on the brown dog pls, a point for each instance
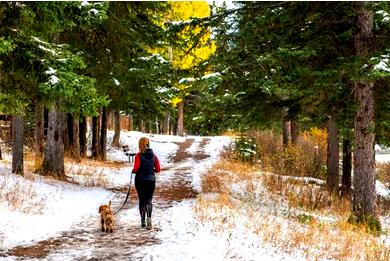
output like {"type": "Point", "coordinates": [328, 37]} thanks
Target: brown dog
{"type": "Point", "coordinates": [106, 218]}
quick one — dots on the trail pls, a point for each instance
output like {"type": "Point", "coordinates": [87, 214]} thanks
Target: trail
{"type": "Point", "coordinates": [85, 241]}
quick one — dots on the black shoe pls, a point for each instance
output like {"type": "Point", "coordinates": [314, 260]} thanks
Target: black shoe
{"type": "Point", "coordinates": [149, 223]}
{"type": "Point", "coordinates": [143, 223]}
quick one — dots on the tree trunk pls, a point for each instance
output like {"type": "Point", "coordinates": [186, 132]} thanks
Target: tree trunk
{"type": "Point", "coordinates": [294, 131]}
{"type": "Point", "coordinates": [141, 125]}
{"type": "Point", "coordinates": [166, 123]}
{"type": "Point", "coordinates": [68, 134]}
{"type": "Point", "coordinates": [17, 144]}
{"type": "Point", "coordinates": [110, 120]}
{"type": "Point", "coordinates": [53, 162]}
{"type": "Point", "coordinates": [347, 168]}
{"type": "Point", "coordinates": [39, 132]}
{"type": "Point", "coordinates": [333, 156]}
{"type": "Point", "coordinates": [103, 135]}
{"type": "Point", "coordinates": [131, 123]}
{"type": "Point", "coordinates": [157, 126]}
{"type": "Point", "coordinates": [364, 196]}
{"type": "Point", "coordinates": [180, 118]}
{"type": "Point", "coordinates": [76, 139]}
{"type": "Point", "coordinates": [83, 137]}
{"type": "Point", "coordinates": [286, 129]}
{"type": "Point", "coordinates": [95, 137]}
{"type": "Point", "coordinates": [117, 122]}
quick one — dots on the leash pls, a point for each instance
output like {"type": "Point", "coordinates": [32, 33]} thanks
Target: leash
{"type": "Point", "coordinates": [127, 196]}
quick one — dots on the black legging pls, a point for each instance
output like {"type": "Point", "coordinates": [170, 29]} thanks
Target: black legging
{"type": "Point", "coordinates": [145, 191]}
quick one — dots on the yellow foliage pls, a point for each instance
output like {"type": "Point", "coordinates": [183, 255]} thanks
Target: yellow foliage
{"type": "Point", "coordinates": [317, 136]}
{"type": "Point", "coordinates": [175, 101]}
{"type": "Point", "coordinates": [183, 11]}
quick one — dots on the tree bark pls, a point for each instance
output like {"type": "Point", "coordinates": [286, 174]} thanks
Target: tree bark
{"type": "Point", "coordinates": [157, 126]}
{"type": "Point", "coordinates": [68, 134]}
{"type": "Point", "coordinates": [76, 139]}
{"type": "Point", "coordinates": [333, 156]}
{"type": "Point", "coordinates": [141, 125]}
{"type": "Point", "coordinates": [95, 137]}
{"type": "Point", "coordinates": [117, 126]}
{"type": "Point", "coordinates": [103, 135]}
{"type": "Point", "coordinates": [110, 120]}
{"type": "Point", "coordinates": [294, 131]}
{"type": "Point", "coordinates": [131, 123]}
{"type": "Point", "coordinates": [180, 118]}
{"type": "Point", "coordinates": [347, 168]}
{"type": "Point", "coordinates": [39, 132]}
{"type": "Point", "coordinates": [166, 123]}
{"type": "Point", "coordinates": [286, 129]}
{"type": "Point", "coordinates": [364, 196]}
{"type": "Point", "coordinates": [17, 144]}
{"type": "Point", "coordinates": [83, 137]}
{"type": "Point", "coordinates": [53, 162]}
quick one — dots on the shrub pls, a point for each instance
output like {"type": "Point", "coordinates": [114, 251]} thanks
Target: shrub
{"type": "Point", "coordinates": [245, 148]}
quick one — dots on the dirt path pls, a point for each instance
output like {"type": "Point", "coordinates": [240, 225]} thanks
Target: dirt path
{"type": "Point", "coordinates": [86, 242]}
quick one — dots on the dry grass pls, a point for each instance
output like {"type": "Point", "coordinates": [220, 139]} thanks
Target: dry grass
{"type": "Point", "coordinates": [383, 173]}
{"type": "Point", "coordinates": [307, 158]}
{"type": "Point", "coordinates": [21, 195]}
{"type": "Point", "coordinates": [311, 234]}
{"type": "Point", "coordinates": [306, 194]}
{"type": "Point", "coordinates": [87, 176]}
{"type": "Point", "coordinates": [219, 177]}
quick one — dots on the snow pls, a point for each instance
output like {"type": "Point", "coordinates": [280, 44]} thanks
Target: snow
{"type": "Point", "coordinates": [185, 80]}
{"type": "Point", "coordinates": [382, 157]}
{"type": "Point", "coordinates": [211, 75]}
{"type": "Point", "coordinates": [93, 11]}
{"type": "Point", "coordinates": [382, 190]}
{"type": "Point", "coordinates": [47, 49]}
{"type": "Point", "coordinates": [227, 234]}
{"type": "Point", "coordinates": [54, 202]}
{"type": "Point", "coordinates": [50, 71]}
{"type": "Point", "coordinates": [54, 79]}
{"type": "Point", "coordinates": [116, 82]}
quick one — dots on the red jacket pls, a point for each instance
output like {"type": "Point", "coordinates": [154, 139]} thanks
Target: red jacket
{"type": "Point", "coordinates": [137, 163]}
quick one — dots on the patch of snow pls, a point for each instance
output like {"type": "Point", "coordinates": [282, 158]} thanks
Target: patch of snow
{"type": "Point", "coordinates": [54, 79]}
{"type": "Point", "coordinates": [117, 83]}
{"type": "Point", "coordinates": [211, 75]}
{"type": "Point", "coordinates": [382, 190]}
{"type": "Point", "coordinates": [186, 80]}
{"type": "Point", "coordinates": [64, 206]}
{"type": "Point", "coordinates": [93, 11]}
{"type": "Point", "coordinates": [50, 71]}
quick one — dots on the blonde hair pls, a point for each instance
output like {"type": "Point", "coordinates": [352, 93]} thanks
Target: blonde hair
{"type": "Point", "coordinates": [143, 144]}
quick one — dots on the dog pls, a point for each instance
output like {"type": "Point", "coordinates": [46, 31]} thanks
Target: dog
{"type": "Point", "coordinates": [106, 218]}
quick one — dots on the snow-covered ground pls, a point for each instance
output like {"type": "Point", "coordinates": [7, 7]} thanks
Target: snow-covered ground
{"type": "Point", "coordinates": [37, 208]}
{"type": "Point", "coordinates": [47, 207]}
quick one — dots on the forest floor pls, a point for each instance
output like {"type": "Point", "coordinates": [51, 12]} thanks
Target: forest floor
{"type": "Point", "coordinates": [204, 209]}
{"type": "Point", "coordinates": [84, 240]}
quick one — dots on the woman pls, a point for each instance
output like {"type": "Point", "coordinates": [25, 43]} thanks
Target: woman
{"type": "Point", "coordinates": [146, 164]}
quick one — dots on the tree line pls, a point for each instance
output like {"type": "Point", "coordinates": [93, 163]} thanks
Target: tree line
{"type": "Point", "coordinates": [281, 65]}
{"type": "Point", "coordinates": [293, 65]}
{"type": "Point", "coordinates": [64, 62]}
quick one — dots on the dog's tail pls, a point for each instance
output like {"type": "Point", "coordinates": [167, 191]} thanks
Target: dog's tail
{"type": "Point", "coordinates": [109, 204]}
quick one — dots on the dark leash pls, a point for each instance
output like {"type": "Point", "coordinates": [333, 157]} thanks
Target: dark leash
{"type": "Point", "coordinates": [127, 196]}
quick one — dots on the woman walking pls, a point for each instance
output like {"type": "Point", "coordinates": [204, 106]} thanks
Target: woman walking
{"type": "Point", "coordinates": [146, 164]}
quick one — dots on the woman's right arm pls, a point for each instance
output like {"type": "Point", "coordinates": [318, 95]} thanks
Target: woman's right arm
{"type": "Point", "coordinates": [137, 163]}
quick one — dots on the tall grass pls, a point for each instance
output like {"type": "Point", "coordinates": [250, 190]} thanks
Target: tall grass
{"type": "Point", "coordinates": [314, 225]}
{"type": "Point", "coordinates": [21, 195]}
{"type": "Point", "coordinates": [307, 158]}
